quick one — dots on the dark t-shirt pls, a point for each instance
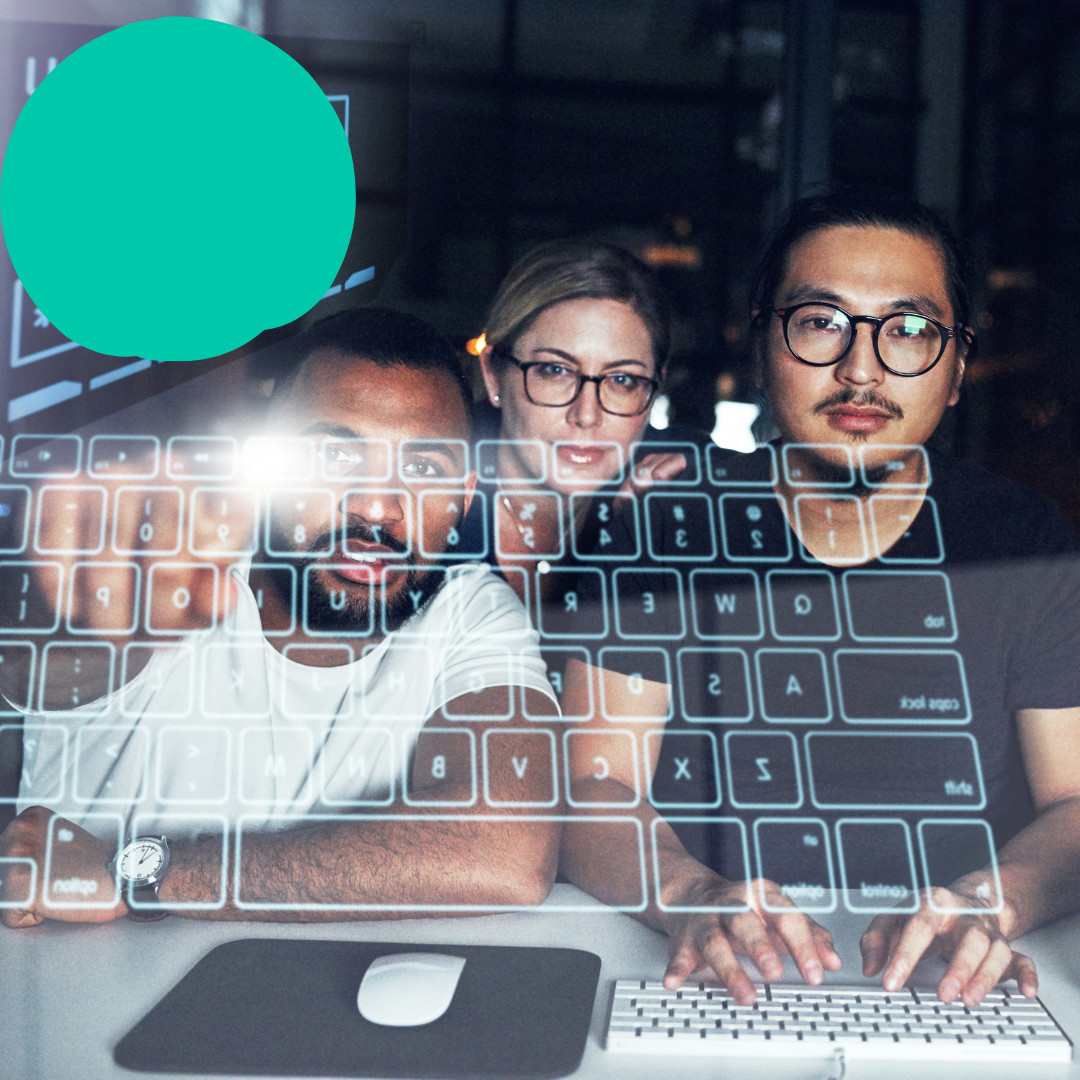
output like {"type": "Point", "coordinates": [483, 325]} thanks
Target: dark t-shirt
{"type": "Point", "coordinates": [822, 707]}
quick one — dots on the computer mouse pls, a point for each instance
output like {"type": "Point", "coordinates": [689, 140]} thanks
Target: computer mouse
{"type": "Point", "coordinates": [408, 989]}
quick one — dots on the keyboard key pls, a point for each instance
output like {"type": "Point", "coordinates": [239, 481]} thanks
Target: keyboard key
{"type": "Point", "coordinates": [405, 662]}
{"type": "Point", "coordinates": [496, 685]}
{"type": "Point", "coordinates": [433, 461]}
{"type": "Point", "coordinates": [186, 825]}
{"type": "Point", "coordinates": [795, 853]}
{"type": "Point", "coordinates": [680, 527]}
{"type": "Point", "coordinates": [556, 657]}
{"type": "Point", "coordinates": [516, 514]}
{"type": "Point", "coordinates": [275, 764]}
{"type": "Point", "coordinates": [951, 849]}
{"type": "Point", "coordinates": [754, 528]}
{"type": "Point", "coordinates": [223, 521]}
{"type": "Point", "coordinates": [234, 683]}
{"type": "Point", "coordinates": [818, 465]}
{"type": "Point", "coordinates": [103, 598]}
{"type": "Point", "coordinates": [46, 455]}
{"type": "Point", "coordinates": [174, 667]}
{"type": "Point", "coordinates": [17, 661]}
{"type": "Point", "coordinates": [882, 466]}
{"type": "Point", "coordinates": [522, 461]}
{"type": "Point", "coordinates": [274, 588]}
{"type": "Point", "coordinates": [315, 670]}
{"type": "Point", "coordinates": [714, 685]}
{"type": "Point", "coordinates": [689, 477]}
{"type": "Point", "coordinates": [726, 604]}
{"type": "Point", "coordinates": [610, 527]}
{"type": "Point", "coordinates": [923, 771]}
{"type": "Point", "coordinates": [794, 686]}
{"type": "Point", "coordinates": [649, 604]}
{"type": "Point", "coordinates": [516, 759]}
{"type": "Point", "coordinates": [877, 865]}
{"type": "Point", "coordinates": [899, 605]}
{"type": "Point", "coordinates": [802, 605]}
{"type": "Point", "coordinates": [279, 460]}
{"type": "Point", "coordinates": [193, 764]}
{"type": "Point", "coordinates": [181, 598]}
{"type": "Point", "coordinates": [719, 842]}
{"type": "Point", "coordinates": [920, 541]}
{"type": "Point", "coordinates": [331, 611]}
{"type": "Point", "coordinates": [359, 459]}
{"type": "Point", "coordinates": [73, 673]}
{"type": "Point", "coordinates": [685, 770]}
{"type": "Point", "coordinates": [369, 758]}
{"type": "Point", "coordinates": [14, 519]}
{"type": "Point", "coordinates": [60, 891]}
{"type": "Point", "coordinates": [910, 686]}
{"type": "Point", "coordinates": [20, 742]}
{"type": "Point", "coordinates": [148, 521]}
{"type": "Point", "coordinates": [402, 595]}
{"type": "Point", "coordinates": [70, 520]}
{"type": "Point", "coordinates": [299, 522]}
{"type": "Point", "coordinates": [14, 897]}
{"type": "Point", "coordinates": [729, 470]}
{"type": "Point", "coordinates": [111, 763]}
{"type": "Point", "coordinates": [587, 756]}
{"type": "Point", "coordinates": [564, 613]}
{"type": "Point", "coordinates": [201, 457]}
{"type": "Point", "coordinates": [30, 597]}
{"type": "Point", "coordinates": [763, 770]}
{"type": "Point", "coordinates": [441, 514]}
{"type": "Point", "coordinates": [443, 763]}
{"type": "Point", "coordinates": [637, 667]}
{"type": "Point", "coordinates": [579, 461]}
{"type": "Point", "coordinates": [127, 457]}
{"type": "Point", "coordinates": [834, 515]}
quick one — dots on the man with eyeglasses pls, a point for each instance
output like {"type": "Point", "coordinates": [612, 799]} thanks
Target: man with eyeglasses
{"type": "Point", "coordinates": [857, 571]}
{"type": "Point", "coordinates": [296, 732]}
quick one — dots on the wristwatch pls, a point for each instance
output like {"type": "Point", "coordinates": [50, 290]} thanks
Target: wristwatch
{"type": "Point", "coordinates": [140, 868]}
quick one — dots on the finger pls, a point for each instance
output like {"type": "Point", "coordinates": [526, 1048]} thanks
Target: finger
{"type": "Point", "coordinates": [990, 972]}
{"type": "Point", "coordinates": [718, 952]}
{"type": "Point", "coordinates": [823, 941]}
{"type": "Point", "coordinates": [749, 935]}
{"type": "Point", "coordinates": [798, 935]}
{"type": "Point", "coordinates": [1022, 969]}
{"type": "Point", "coordinates": [878, 941]}
{"type": "Point", "coordinates": [915, 939]}
{"type": "Point", "coordinates": [971, 953]}
{"type": "Point", "coordinates": [20, 918]}
{"type": "Point", "coordinates": [683, 960]}
{"type": "Point", "coordinates": [668, 466]}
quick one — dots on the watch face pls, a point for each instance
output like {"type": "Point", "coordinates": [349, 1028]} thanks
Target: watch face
{"type": "Point", "coordinates": [141, 859]}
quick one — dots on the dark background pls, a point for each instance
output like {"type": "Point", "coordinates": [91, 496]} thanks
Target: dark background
{"type": "Point", "coordinates": [681, 128]}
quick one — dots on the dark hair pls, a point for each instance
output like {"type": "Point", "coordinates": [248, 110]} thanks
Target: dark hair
{"type": "Point", "coordinates": [386, 337]}
{"type": "Point", "coordinates": [865, 208]}
{"type": "Point", "coordinates": [574, 269]}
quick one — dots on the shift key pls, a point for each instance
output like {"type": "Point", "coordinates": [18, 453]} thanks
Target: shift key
{"type": "Point", "coordinates": [919, 771]}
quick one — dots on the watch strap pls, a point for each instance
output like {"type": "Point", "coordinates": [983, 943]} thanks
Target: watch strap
{"type": "Point", "coordinates": [150, 908]}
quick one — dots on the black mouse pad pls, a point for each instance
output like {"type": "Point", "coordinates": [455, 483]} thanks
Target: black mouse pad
{"type": "Point", "coordinates": [265, 1007]}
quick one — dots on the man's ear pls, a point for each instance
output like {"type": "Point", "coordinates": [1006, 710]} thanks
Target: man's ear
{"type": "Point", "coordinates": [470, 491]}
{"type": "Point", "coordinates": [491, 377]}
{"type": "Point", "coordinates": [961, 365]}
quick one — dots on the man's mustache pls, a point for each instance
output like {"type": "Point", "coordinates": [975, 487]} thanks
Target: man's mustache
{"type": "Point", "coordinates": [363, 533]}
{"type": "Point", "coordinates": [861, 399]}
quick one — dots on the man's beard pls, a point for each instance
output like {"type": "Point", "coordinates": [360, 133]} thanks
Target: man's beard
{"type": "Point", "coordinates": [346, 612]}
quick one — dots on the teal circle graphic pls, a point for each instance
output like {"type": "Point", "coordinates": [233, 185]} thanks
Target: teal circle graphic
{"type": "Point", "coordinates": [175, 187]}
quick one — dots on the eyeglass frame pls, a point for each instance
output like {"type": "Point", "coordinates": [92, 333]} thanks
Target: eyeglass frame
{"type": "Point", "coordinates": [524, 365]}
{"type": "Point", "coordinates": [948, 333]}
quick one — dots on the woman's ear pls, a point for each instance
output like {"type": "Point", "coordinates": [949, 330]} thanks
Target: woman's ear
{"type": "Point", "coordinates": [492, 381]}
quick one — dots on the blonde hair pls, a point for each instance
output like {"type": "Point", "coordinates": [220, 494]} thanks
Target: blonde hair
{"type": "Point", "coordinates": [572, 269]}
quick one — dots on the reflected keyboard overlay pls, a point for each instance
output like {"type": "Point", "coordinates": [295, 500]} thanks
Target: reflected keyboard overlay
{"type": "Point", "coordinates": [784, 678]}
{"type": "Point", "coordinates": [858, 1021]}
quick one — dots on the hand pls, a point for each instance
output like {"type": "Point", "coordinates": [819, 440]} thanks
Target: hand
{"type": "Point", "coordinates": [652, 469]}
{"type": "Point", "coordinates": [79, 865]}
{"type": "Point", "coordinates": [978, 953]}
{"type": "Point", "coordinates": [708, 940]}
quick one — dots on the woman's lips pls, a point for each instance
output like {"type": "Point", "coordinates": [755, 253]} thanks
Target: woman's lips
{"type": "Point", "coordinates": [865, 420]}
{"type": "Point", "coordinates": [573, 454]}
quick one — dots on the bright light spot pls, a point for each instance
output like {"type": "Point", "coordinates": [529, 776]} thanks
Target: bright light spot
{"type": "Point", "coordinates": [475, 346]}
{"type": "Point", "coordinates": [733, 422]}
{"type": "Point", "coordinates": [659, 415]}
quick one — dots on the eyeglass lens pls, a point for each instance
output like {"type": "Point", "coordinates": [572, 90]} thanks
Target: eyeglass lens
{"type": "Point", "coordinates": [620, 393]}
{"type": "Point", "coordinates": [907, 343]}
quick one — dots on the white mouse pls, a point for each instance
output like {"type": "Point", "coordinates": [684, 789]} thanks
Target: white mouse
{"type": "Point", "coordinates": [408, 989]}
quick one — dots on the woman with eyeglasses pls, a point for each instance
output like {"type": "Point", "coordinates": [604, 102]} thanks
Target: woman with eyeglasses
{"type": "Point", "coordinates": [574, 352]}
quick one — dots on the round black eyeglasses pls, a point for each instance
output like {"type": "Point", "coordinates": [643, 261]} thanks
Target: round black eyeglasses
{"type": "Point", "coordinates": [906, 344]}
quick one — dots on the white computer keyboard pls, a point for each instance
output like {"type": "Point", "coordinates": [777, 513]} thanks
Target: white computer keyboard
{"type": "Point", "coordinates": [798, 1021]}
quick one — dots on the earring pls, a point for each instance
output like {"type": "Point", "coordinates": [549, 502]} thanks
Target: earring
{"type": "Point", "coordinates": [495, 399]}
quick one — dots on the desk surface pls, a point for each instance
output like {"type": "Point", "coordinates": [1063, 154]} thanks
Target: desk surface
{"type": "Point", "coordinates": [68, 993]}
